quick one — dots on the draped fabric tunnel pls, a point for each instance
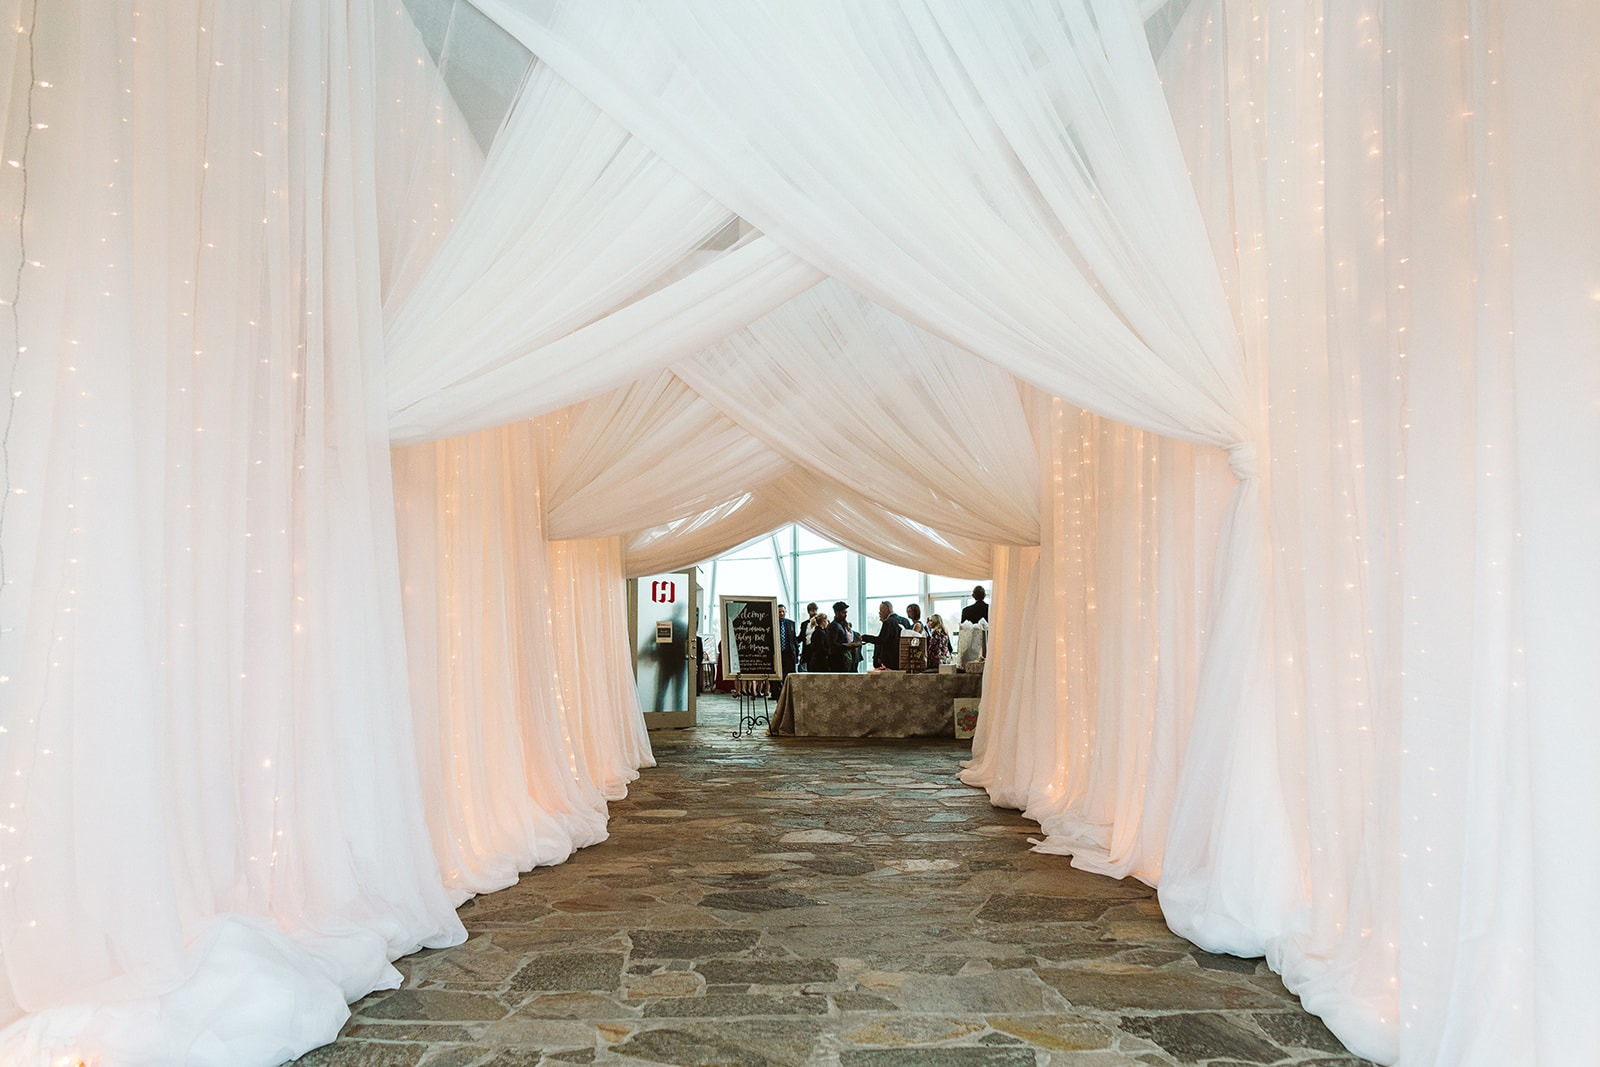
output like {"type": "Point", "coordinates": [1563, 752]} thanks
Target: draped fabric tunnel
{"type": "Point", "coordinates": [360, 353]}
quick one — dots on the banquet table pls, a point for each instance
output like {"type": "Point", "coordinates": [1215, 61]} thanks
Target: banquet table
{"type": "Point", "coordinates": [879, 704]}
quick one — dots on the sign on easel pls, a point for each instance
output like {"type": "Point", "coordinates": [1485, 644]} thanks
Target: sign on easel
{"type": "Point", "coordinates": [750, 638]}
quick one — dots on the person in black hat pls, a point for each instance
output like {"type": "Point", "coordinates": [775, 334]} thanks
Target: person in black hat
{"type": "Point", "coordinates": [978, 612]}
{"type": "Point", "coordinates": [842, 643]}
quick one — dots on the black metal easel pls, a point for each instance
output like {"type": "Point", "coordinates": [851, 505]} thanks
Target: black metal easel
{"type": "Point", "coordinates": [748, 718]}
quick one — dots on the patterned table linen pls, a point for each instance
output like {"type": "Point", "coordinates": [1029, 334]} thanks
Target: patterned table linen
{"type": "Point", "coordinates": [880, 704]}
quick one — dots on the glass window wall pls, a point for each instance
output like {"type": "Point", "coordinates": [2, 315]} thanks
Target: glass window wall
{"type": "Point", "coordinates": [797, 566]}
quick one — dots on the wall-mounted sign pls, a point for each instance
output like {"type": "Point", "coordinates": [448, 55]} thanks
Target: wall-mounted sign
{"type": "Point", "coordinates": [664, 592]}
{"type": "Point", "coordinates": [664, 632]}
{"type": "Point", "coordinates": [750, 637]}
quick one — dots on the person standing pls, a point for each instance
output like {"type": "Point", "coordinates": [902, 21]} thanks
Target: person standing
{"type": "Point", "coordinates": [787, 645]}
{"type": "Point", "coordinates": [938, 641]}
{"type": "Point", "coordinates": [978, 611]}
{"type": "Point", "coordinates": [814, 651]}
{"type": "Point", "coordinates": [841, 642]}
{"type": "Point", "coordinates": [886, 642]}
{"type": "Point", "coordinates": [914, 613]}
{"type": "Point", "coordinates": [811, 623]}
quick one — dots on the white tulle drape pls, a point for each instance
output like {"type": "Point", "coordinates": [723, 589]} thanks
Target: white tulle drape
{"type": "Point", "coordinates": [863, 398]}
{"type": "Point", "coordinates": [580, 261]}
{"type": "Point", "coordinates": [526, 721]}
{"type": "Point", "coordinates": [1397, 209]}
{"type": "Point", "coordinates": [1104, 624]}
{"type": "Point", "coordinates": [1014, 185]}
{"type": "Point", "coordinates": [651, 453]}
{"type": "Point", "coordinates": [826, 508]}
{"type": "Point", "coordinates": [215, 834]}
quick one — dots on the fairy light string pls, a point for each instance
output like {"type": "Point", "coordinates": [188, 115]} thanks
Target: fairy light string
{"type": "Point", "coordinates": [14, 298]}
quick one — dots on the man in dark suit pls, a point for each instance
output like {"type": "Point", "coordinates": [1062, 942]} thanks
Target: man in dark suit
{"type": "Point", "coordinates": [787, 645]}
{"type": "Point", "coordinates": [886, 642]}
{"type": "Point", "coordinates": [977, 612]}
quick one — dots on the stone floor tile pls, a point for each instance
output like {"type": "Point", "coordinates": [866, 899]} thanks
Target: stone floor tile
{"type": "Point", "coordinates": [575, 1006]}
{"type": "Point", "coordinates": [1160, 990]}
{"type": "Point", "coordinates": [1064, 1032]}
{"type": "Point", "coordinates": [363, 1054]}
{"type": "Point", "coordinates": [519, 1031]}
{"type": "Point", "coordinates": [734, 1006]}
{"type": "Point", "coordinates": [769, 971]}
{"type": "Point", "coordinates": [456, 1056]}
{"type": "Point", "coordinates": [749, 1043]}
{"type": "Point", "coordinates": [901, 1030]}
{"type": "Point", "coordinates": [599, 972]}
{"type": "Point", "coordinates": [435, 1005]}
{"type": "Point", "coordinates": [691, 944]}
{"type": "Point", "coordinates": [1039, 909]}
{"type": "Point", "coordinates": [856, 1000]}
{"type": "Point", "coordinates": [428, 1033]}
{"type": "Point", "coordinates": [999, 991]}
{"type": "Point", "coordinates": [757, 900]}
{"type": "Point", "coordinates": [1299, 1030]}
{"type": "Point", "coordinates": [515, 1057]}
{"type": "Point", "coordinates": [976, 1056]}
{"type": "Point", "coordinates": [1198, 1036]}
{"type": "Point", "coordinates": [1213, 961]}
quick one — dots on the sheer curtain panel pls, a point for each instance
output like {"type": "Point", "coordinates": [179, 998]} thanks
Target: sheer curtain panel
{"type": "Point", "coordinates": [1401, 198]}
{"type": "Point", "coordinates": [214, 833]}
{"type": "Point", "coordinates": [525, 723]}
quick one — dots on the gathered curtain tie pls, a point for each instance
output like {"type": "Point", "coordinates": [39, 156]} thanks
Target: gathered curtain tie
{"type": "Point", "coordinates": [1242, 459]}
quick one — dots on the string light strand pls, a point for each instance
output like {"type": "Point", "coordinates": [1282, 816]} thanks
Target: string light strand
{"type": "Point", "coordinates": [12, 305]}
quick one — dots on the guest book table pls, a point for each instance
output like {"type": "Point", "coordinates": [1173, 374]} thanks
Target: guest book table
{"type": "Point", "coordinates": [881, 704]}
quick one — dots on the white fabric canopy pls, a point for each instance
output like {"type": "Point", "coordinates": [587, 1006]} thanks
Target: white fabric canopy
{"type": "Point", "coordinates": [1011, 180]}
{"type": "Point", "coordinates": [651, 452]}
{"type": "Point", "coordinates": [967, 288]}
{"type": "Point", "coordinates": [863, 398]}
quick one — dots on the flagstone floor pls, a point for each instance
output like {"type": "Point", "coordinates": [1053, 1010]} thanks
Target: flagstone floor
{"type": "Point", "coordinates": [801, 902]}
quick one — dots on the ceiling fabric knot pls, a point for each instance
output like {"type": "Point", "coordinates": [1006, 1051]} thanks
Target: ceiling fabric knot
{"type": "Point", "coordinates": [1242, 459]}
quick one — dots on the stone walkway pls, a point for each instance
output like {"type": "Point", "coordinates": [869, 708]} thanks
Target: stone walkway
{"type": "Point", "coordinates": [765, 902]}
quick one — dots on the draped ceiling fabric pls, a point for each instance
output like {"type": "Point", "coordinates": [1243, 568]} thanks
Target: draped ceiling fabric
{"type": "Point", "coordinates": [970, 288]}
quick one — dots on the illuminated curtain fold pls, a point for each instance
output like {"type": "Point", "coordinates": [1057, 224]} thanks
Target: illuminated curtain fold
{"type": "Point", "coordinates": [1104, 625]}
{"type": "Point", "coordinates": [218, 835]}
{"type": "Point", "coordinates": [1403, 213]}
{"type": "Point", "coordinates": [518, 658]}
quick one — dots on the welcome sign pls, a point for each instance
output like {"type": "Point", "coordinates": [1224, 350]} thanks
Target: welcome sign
{"type": "Point", "coordinates": [750, 637]}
